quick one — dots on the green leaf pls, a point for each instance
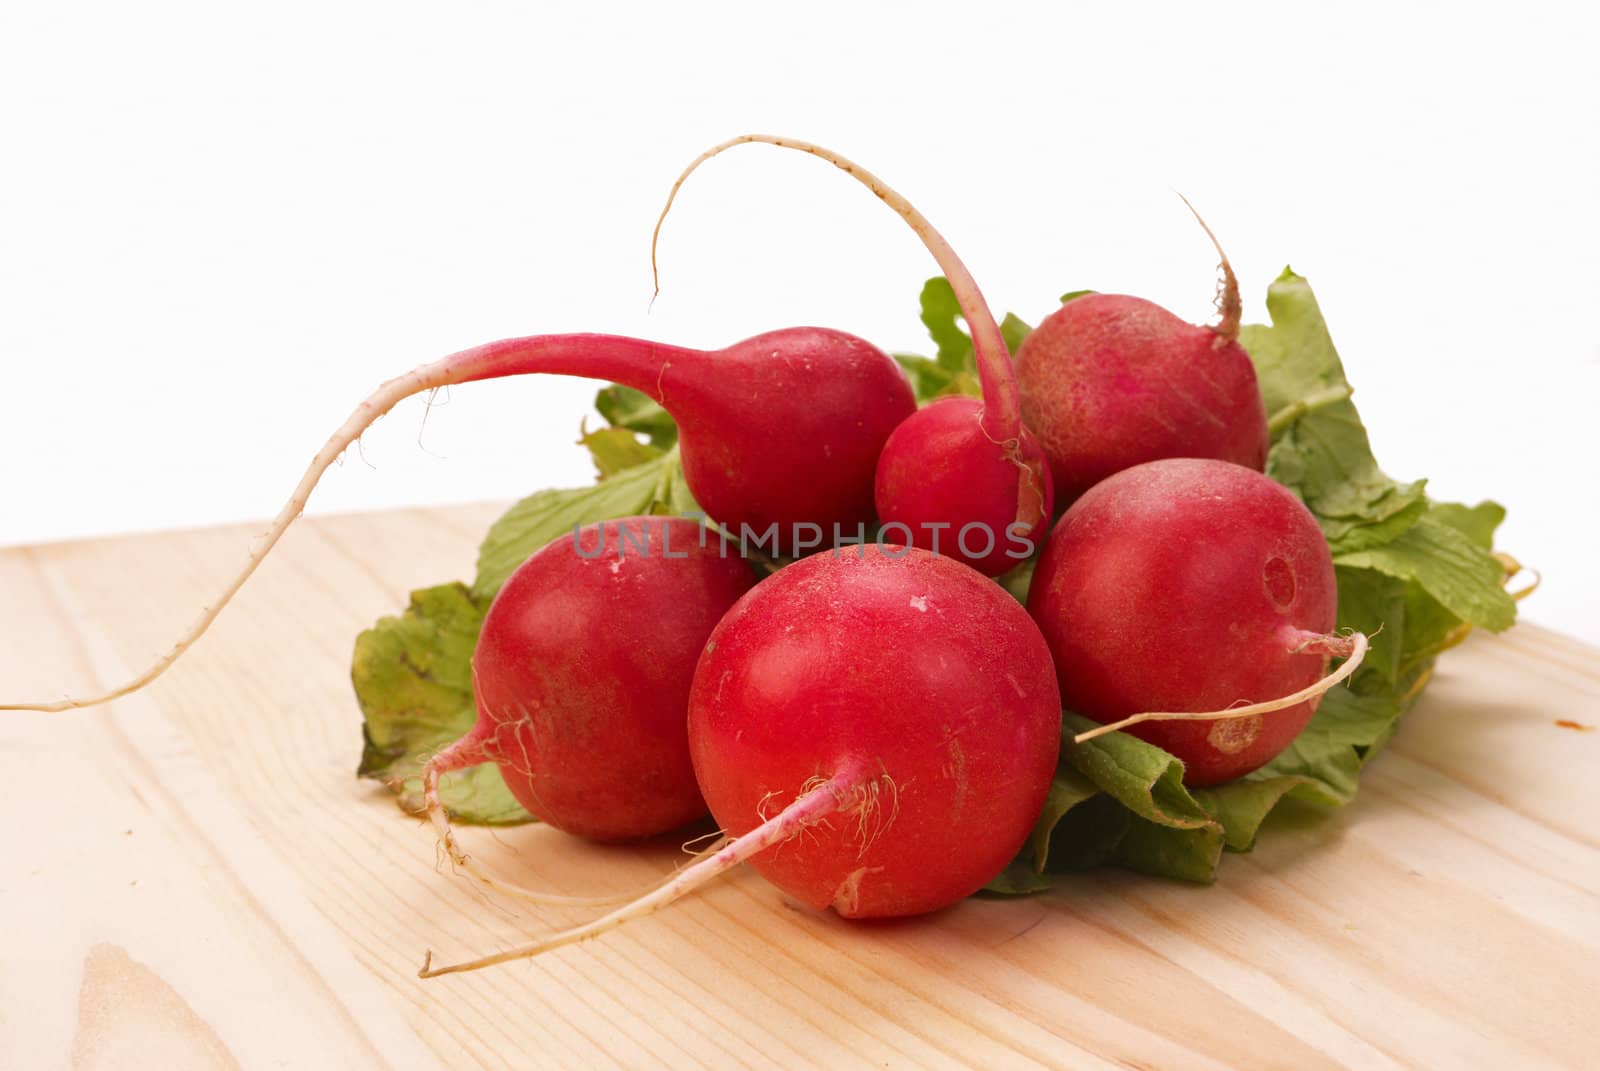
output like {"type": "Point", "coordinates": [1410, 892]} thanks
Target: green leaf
{"type": "Point", "coordinates": [1449, 566]}
{"type": "Point", "coordinates": [1422, 627]}
{"type": "Point", "coordinates": [1068, 789]}
{"type": "Point", "coordinates": [1084, 837]}
{"type": "Point", "coordinates": [542, 518]}
{"type": "Point", "coordinates": [1019, 579]}
{"type": "Point", "coordinates": [1296, 364]}
{"type": "Point", "coordinates": [640, 430]}
{"type": "Point", "coordinates": [941, 315]}
{"type": "Point", "coordinates": [616, 450]}
{"type": "Point", "coordinates": [1430, 629]}
{"type": "Point", "coordinates": [929, 379]}
{"type": "Point", "coordinates": [1018, 879]}
{"type": "Point", "coordinates": [1070, 294]}
{"type": "Point", "coordinates": [1241, 806]}
{"type": "Point", "coordinates": [673, 497]}
{"type": "Point", "coordinates": [1374, 604]}
{"type": "Point", "coordinates": [953, 369]}
{"type": "Point", "coordinates": [1324, 457]}
{"type": "Point", "coordinates": [1345, 537]}
{"type": "Point", "coordinates": [1079, 829]}
{"type": "Point", "coordinates": [624, 407]}
{"type": "Point", "coordinates": [1015, 330]}
{"type": "Point", "coordinates": [413, 678]}
{"type": "Point", "coordinates": [1419, 569]}
{"type": "Point", "coordinates": [1140, 776]}
{"type": "Point", "coordinates": [1329, 752]}
{"type": "Point", "coordinates": [1185, 854]}
{"type": "Point", "coordinates": [1478, 523]}
{"type": "Point", "coordinates": [1117, 799]}
{"type": "Point", "coordinates": [1320, 449]}
{"type": "Point", "coordinates": [1168, 831]}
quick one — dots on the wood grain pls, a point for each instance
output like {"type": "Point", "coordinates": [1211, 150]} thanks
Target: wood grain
{"type": "Point", "coordinates": [194, 876]}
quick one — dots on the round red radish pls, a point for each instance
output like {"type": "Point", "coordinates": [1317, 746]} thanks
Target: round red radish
{"type": "Point", "coordinates": [582, 675]}
{"type": "Point", "coordinates": [1110, 381]}
{"type": "Point", "coordinates": [954, 492]}
{"type": "Point", "coordinates": [1189, 585]}
{"type": "Point", "coordinates": [910, 695]}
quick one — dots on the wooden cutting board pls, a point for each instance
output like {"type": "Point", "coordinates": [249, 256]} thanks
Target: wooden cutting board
{"type": "Point", "coordinates": [193, 877]}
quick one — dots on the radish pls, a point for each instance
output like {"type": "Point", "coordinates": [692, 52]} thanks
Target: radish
{"type": "Point", "coordinates": [956, 489]}
{"type": "Point", "coordinates": [779, 433]}
{"type": "Point", "coordinates": [959, 477]}
{"type": "Point", "coordinates": [581, 676]}
{"type": "Point", "coordinates": [1188, 586]}
{"type": "Point", "coordinates": [1109, 381]}
{"type": "Point", "coordinates": [876, 728]}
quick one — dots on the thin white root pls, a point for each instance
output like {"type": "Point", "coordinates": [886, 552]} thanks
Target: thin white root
{"type": "Point", "coordinates": [464, 863]}
{"type": "Point", "coordinates": [544, 899]}
{"type": "Point", "coordinates": [513, 356]}
{"type": "Point", "coordinates": [1002, 419]}
{"type": "Point", "coordinates": [1358, 651]}
{"type": "Point", "coordinates": [380, 402]}
{"type": "Point", "coordinates": [717, 838]}
{"type": "Point", "coordinates": [837, 794]}
{"type": "Point", "coordinates": [469, 752]}
{"type": "Point", "coordinates": [1230, 306]}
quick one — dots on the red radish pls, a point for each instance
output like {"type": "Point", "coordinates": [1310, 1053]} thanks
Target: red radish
{"type": "Point", "coordinates": [582, 674]}
{"type": "Point", "coordinates": [1189, 585]}
{"type": "Point", "coordinates": [957, 465]}
{"type": "Point", "coordinates": [911, 681]}
{"type": "Point", "coordinates": [783, 429]}
{"type": "Point", "coordinates": [956, 493]}
{"type": "Point", "coordinates": [1109, 381]}
{"type": "Point", "coordinates": [877, 728]}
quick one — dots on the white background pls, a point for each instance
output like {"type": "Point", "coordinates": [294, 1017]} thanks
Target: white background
{"type": "Point", "coordinates": [220, 225]}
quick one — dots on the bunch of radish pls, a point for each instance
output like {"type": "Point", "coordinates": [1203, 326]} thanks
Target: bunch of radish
{"type": "Point", "coordinates": [874, 727]}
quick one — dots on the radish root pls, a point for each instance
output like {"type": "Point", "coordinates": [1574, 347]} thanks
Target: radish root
{"type": "Point", "coordinates": [840, 793]}
{"type": "Point", "coordinates": [1352, 648]}
{"type": "Point", "coordinates": [472, 750]}
{"type": "Point", "coordinates": [1230, 307]}
{"type": "Point", "coordinates": [492, 360]}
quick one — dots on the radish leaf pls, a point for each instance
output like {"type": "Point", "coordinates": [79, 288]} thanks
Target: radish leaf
{"type": "Point", "coordinates": [413, 679]}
